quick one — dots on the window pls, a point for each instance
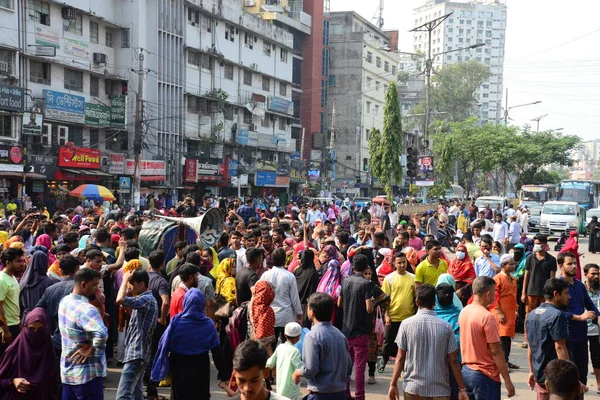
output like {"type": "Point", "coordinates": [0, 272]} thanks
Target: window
{"type": "Point", "coordinates": [284, 55]}
{"type": "Point", "coordinates": [325, 62]}
{"type": "Point", "coordinates": [39, 72]}
{"type": "Point", "coordinates": [468, 22]}
{"type": "Point", "coordinates": [228, 113]}
{"type": "Point", "coordinates": [73, 80]}
{"type": "Point", "coordinates": [450, 30]}
{"type": "Point", "coordinates": [323, 93]}
{"type": "Point", "coordinates": [369, 82]}
{"type": "Point", "coordinates": [485, 95]}
{"type": "Point", "coordinates": [488, 24]}
{"type": "Point", "coordinates": [247, 117]}
{"type": "Point", "coordinates": [74, 26]}
{"type": "Point", "coordinates": [193, 17]}
{"type": "Point", "coordinates": [479, 32]}
{"type": "Point", "coordinates": [192, 105]}
{"type": "Point", "coordinates": [125, 38]}
{"type": "Point", "coordinates": [108, 37]}
{"type": "Point", "coordinates": [229, 71]}
{"type": "Point", "coordinates": [282, 123]}
{"type": "Point", "coordinates": [385, 88]}
{"type": "Point", "coordinates": [386, 66]}
{"type": "Point", "coordinates": [462, 21]}
{"type": "Point", "coordinates": [461, 31]}
{"type": "Point", "coordinates": [207, 61]}
{"type": "Point", "coordinates": [39, 11]}
{"type": "Point", "coordinates": [461, 13]}
{"type": "Point", "coordinates": [490, 15]}
{"type": "Point", "coordinates": [368, 107]}
{"type": "Point", "coordinates": [267, 48]}
{"type": "Point", "coordinates": [94, 85]}
{"type": "Point", "coordinates": [325, 32]}
{"type": "Point", "coordinates": [469, 13]}
{"type": "Point", "coordinates": [488, 33]}
{"type": "Point", "coordinates": [247, 78]}
{"type": "Point", "coordinates": [377, 86]}
{"type": "Point", "coordinates": [394, 70]}
{"type": "Point", "coordinates": [365, 164]}
{"type": "Point", "coordinates": [207, 24]}
{"type": "Point", "coordinates": [93, 32]}
{"type": "Point", "coordinates": [266, 121]}
{"type": "Point", "coordinates": [282, 89]}
{"type": "Point", "coordinates": [249, 40]}
{"type": "Point", "coordinates": [7, 4]}
{"type": "Point", "coordinates": [460, 40]}
{"type": "Point", "coordinates": [376, 110]}
{"type": "Point", "coordinates": [480, 24]}
{"type": "Point", "coordinates": [378, 62]}
{"type": "Point", "coordinates": [266, 84]}
{"type": "Point", "coordinates": [449, 57]}
{"type": "Point", "coordinates": [112, 87]}
{"type": "Point", "coordinates": [369, 57]}
{"type": "Point", "coordinates": [480, 14]}
{"type": "Point", "coordinates": [5, 121]}
{"type": "Point", "coordinates": [194, 58]}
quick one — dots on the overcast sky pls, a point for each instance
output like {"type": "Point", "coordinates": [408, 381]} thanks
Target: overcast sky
{"type": "Point", "coordinates": [552, 55]}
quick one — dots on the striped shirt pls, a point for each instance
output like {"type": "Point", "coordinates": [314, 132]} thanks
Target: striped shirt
{"type": "Point", "coordinates": [80, 322]}
{"type": "Point", "coordinates": [141, 326]}
{"type": "Point", "coordinates": [426, 336]}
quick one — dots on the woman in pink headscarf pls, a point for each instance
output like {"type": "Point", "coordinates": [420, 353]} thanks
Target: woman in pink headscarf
{"type": "Point", "coordinates": [46, 241]}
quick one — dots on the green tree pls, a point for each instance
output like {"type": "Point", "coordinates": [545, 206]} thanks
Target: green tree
{"type": "Point", "coordinates": [385, 147]}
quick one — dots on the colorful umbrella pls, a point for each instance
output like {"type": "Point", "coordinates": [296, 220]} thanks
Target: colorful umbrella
{"type": "Point", "coordinates": [92, 192]}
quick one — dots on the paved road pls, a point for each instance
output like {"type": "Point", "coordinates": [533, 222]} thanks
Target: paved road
{"type": "Point", "coordinates": [379, 390]}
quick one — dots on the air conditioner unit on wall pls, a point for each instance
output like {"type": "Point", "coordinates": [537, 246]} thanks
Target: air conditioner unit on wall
{"type": "Point", "coordinates": [68, 13]}
{"type": "Point", "coordinates": [99, 58]}
{"type": "Point", "coordinates": [254, 66]}
{"type": "Point", "coordinates": [4, 67]}
{"type": "Point", "coordinates": [254, 128]}
{"type": "Point", "coordinates": [249, 3]}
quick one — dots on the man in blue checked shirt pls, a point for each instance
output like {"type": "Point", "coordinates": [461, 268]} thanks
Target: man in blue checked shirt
{"type": "Point", "coordinates": [139, 333]}
{"type": "Point", "coordinates": [83, 336]}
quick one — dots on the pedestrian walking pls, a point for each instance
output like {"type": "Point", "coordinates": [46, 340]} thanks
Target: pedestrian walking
{"type": "Point", "coordinates": [506, 307]}
{"type": "Point", "coordinates": [285, 360]}
{"type": "Point", "coordinates": [13, 261]}
{"type": "Point", "coordinates": [482, 356]}
{"type": "Point", "coordinates": [425, 336]}
{"type": "Point", "coordinates": [430, 269]}
{"type": "Point", "coordinates": [592, 284]}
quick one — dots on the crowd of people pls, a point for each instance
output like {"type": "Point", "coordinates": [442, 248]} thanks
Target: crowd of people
{"type": "Point", "coordinates": [301, 292]}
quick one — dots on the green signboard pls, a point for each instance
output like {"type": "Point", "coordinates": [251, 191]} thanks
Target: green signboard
{"type": "Point", "coordinates": [118, 111]}
{"type": "Point", "coordinates": [106, 116]}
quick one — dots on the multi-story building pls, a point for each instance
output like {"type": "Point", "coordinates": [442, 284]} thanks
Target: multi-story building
{"type": "Point", "coordinates": [307, 21]}
{"type": "Point", "coordinates": [587, 160]}
{"type": "Point", "coordinates": [470, 22]}
{"type": "Point", "coordinates": [360, 71]}
{"type": "Point", "coordinates": [411, 86]}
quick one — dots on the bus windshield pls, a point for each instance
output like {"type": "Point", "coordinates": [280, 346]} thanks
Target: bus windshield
{"type": "Point", "coordinates": [537, 195]}
{"type": "Point", "coordinates": [580, 195]}
{"type": "Point", "coordinates": [559, 209]}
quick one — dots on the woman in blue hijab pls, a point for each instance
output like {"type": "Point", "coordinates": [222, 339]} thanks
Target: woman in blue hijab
{"type": "Point", "coordinates": [183, 350]}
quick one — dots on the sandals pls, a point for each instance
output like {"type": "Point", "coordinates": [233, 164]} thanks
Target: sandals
{"type": "Point", "coordinates": [380, 366]}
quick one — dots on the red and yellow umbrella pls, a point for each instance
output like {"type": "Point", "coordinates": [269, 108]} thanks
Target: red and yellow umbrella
{"type": "Point", "coordinates": [92, 192]}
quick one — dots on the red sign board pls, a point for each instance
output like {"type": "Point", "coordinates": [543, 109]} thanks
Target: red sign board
{"type": "Point", "coordinates": [78, 157]}
{"type": "Point", "coordinates": [191, 170]}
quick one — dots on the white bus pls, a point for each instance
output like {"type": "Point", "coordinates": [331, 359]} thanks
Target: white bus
{"type": "Point", "coordinates": [538, 193]}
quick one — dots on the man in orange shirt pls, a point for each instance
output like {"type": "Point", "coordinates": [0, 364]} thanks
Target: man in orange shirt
{"type": "Point", "coordinates": [189, 279]}
{"type": "Point", "coordinates": [482, 356]}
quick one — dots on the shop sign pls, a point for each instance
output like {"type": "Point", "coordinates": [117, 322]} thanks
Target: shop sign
{"type": "Point", "coordinates": [242, 136]}
{"type": "Point", "coordinates": [38, 187]}
{"type": "Point", "coordinates": [210, 166]}
{"type": "Point", "coordinates": [117, 110]}
{"type": "Point", "coordinates": [147, 167]}
{"type": "Point", "coordinates": [280, 105]}
{"type": "Point", "coordinates": [97, 114]}
{"type": "Point", "coordinates": [297, 176]}
{"type": "Point", "coordinates": [32, 124]}
{"type": "Point", "coordinates": [233, 167]}
{"type": "Point", "coordinates": [425, 176]}
{"type": "Point", "coordinates": [12, 98]}
{"type": "Point", "coordinates": [78, 157]}
{"type": "Point", "coordinates": [46, 37]}
{"type": "Point", "coordinates": [117, 163]}
{"type": "Point", "coordinates": [265, 178]}
{"type": "Point", "coordinates": [43, 165]}
{"type": "Point", "coordinates": [77, 48]}
{"type": "Point", "coordinates": [10, 155]}
{"type": "Point", "coordinates": [314, 174]}
{"type": "Point", "coordinates": [191, 170]}
{"type": "Point", "coordinates": [64, 107]}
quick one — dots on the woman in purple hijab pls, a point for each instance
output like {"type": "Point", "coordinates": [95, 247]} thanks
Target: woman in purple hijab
{"type": "Point", "coordinates": [28, 367]}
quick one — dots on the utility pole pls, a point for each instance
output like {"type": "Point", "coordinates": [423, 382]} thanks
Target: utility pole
{"type": "Point", "coordinates": [137, 143]}
{"type": "Point", "coordinates": [506, 109]}
{"type": "Point", "coordinates": [331, 143]}
{"type": "Point", "coordinates": [429, 28]}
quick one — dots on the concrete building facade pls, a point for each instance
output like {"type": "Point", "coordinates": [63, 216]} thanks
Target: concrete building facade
{"type": "Point", "coordinates": [360, 72]}
{"type": "Point", "coordinates": [471, 22]}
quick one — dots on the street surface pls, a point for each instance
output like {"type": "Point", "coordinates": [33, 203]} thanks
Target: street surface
{"type": "Point", "coordinates": [378, 391]}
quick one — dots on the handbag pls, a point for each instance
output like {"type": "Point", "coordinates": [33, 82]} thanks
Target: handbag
{"type": "Point", "coordinates": [379, 327]}
{"type": "Point", "coordinates": [223, 308]}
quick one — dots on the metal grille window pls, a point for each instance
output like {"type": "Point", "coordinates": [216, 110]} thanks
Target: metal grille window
{"type": "Point", "coordinates": [247, 117]}
{"type": "Point", "coordinates": [370, 57]}
{"type": "Point", "coordinates": [7, 4]}
{"type": "Point", "coordinates": [228, 71]}
{"type": "Point", "coordinates": [39, 72]}
{"type": "Point", "coordinates": [93, 32]}
{"type": "Point", "coordinates": [193, 17]}
{"type": "Point", "coordinates": [282, 89]}
{"type": "Point", "coordinates": [74, 26]}
{"type": "Point", "coordinates": [247, 78]}
{"type": "Point", "coordinates": [73, 80]}
{"type": "Point", "coordinates": [378, 62]}
{"type": "Point", "coordinates": [194, 58]}
{"type": "Point", "coordinates": [284, 56]}
{"type": "Point", "coordinates": [108, 37]}
{"type": "Point", "coordinates": [266, 84]}
{"type": "Point", "coordinates": [386, 66]}
{"type": "Point", "coordinates": [125, 38]}
{"type": "Point", "coordinates": [6, 126]}
{"type": "Point", "coordinates": [94, 85]}
{"type": "Point", "coordinates": [282, 123]}
{"type": "Point", "coordinates": [39, 11]}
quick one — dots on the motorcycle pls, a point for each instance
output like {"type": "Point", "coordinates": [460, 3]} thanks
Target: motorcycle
{"type": "Point", "coordinates": [448, 238]}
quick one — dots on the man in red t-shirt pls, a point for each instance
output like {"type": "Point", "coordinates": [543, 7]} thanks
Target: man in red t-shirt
{"type": "Point", "coordinates": [189, 279]}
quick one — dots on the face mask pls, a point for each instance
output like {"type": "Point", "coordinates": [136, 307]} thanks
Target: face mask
{"type": "Point", "coordinates": [537, 247]}
{"type": "Point", "coordinates": [460, 255]}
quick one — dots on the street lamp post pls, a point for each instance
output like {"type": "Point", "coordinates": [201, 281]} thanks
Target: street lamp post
{"type": "Point", "coordinates": [507, 108]}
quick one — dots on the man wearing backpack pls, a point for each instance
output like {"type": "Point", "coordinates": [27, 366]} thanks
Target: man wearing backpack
{"type": "Point", "coordinates": [400, 287]}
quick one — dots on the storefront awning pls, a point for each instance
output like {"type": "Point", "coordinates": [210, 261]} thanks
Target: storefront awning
{"type": "Point", "coordinates": [152, 178]}
{"type": "Point", "coordinates": [11, 168]}
{"type": "Point", "coordinates": [91, 172]}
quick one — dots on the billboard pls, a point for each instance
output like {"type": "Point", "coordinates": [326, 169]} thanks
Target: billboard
{"type": "Point", "coordinates": [425, 175]}
{"type": "Point", "coordinates": [64, 107]}
{"type": "Point", "coordinates": [70, 156]}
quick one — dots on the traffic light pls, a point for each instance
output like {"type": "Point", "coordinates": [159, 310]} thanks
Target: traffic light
{"type": "Point", "coordinates": [411, 162]}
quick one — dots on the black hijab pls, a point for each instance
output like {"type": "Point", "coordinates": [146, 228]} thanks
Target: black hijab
{"type": "Point", "coordinates": [307, 276]}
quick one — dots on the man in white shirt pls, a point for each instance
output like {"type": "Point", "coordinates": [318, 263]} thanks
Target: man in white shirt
{"type": "Point", "coordinates": [488, 226]}
{"type": "Point", "coordinates": [286, 305]}
{"type": "Point", "coordinates": [523, 218]}
{"type": "Point", "coordinates": [500, 232]}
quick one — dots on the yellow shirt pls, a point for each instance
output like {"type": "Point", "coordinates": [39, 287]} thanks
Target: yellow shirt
{"type": "Point", "coordinates": [3, 237]}
{"type": "Point", "coordinates": [401, 289]}
{"type": "Point", "coordinates": [472, 249]}
{"type": "Point", "coordinates": [427, 273]}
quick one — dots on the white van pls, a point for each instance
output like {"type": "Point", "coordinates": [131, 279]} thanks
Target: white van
{"type": "Point", "coordinates": [562, 216]}
{"type": "Point", "coordinates": [492, 201]}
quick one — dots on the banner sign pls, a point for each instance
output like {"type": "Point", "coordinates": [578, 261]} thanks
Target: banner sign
{"type": "Point", "coordinates": [147, 167]}
{"type": "Point", "coordinates": [77, 48]}
{"type": "Point", "coordinates": [97, 114]}
{"type": "Point", "coordinates": [12, 98]}
{"type": "Point", "coordinates": [32, 124]}
{"type": "Point", "coordinates": [43, 165]}
{"type": "Point", "coordinates": [64, 107]}
{"type": "Point", "coordinates": [425, 175]}
{"type": "Point", "coordinates": [118, 110]}
{"type": "Point", "coordinates": [117, 163]}
{"type": "Point", "coordinates": [210, 166]}
{"type": "Point", "coordinates": [191, 170]}
{"type": "Point", "coordinates": [78, 157]}
{"type": "Point", "coordinates": [280, 105]}
{"type": "Point", "coordinates": [46, 37]}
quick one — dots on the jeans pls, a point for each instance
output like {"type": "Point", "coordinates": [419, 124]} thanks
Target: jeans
{"type": "Point", "coordinates": [151, 389]}
{"type": "Point", "coordinates": [130, 384]}
{"type": "Point", "coordinates": [578, 353]}
{"type": "Point", "coordinates": [359, 353]}
{"type": "Point", "coordinates": [480, 386]}
{"type": "Point", "coordinates": [390, 348]}
{"type": "Point", "coordinates": [92, 390]}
